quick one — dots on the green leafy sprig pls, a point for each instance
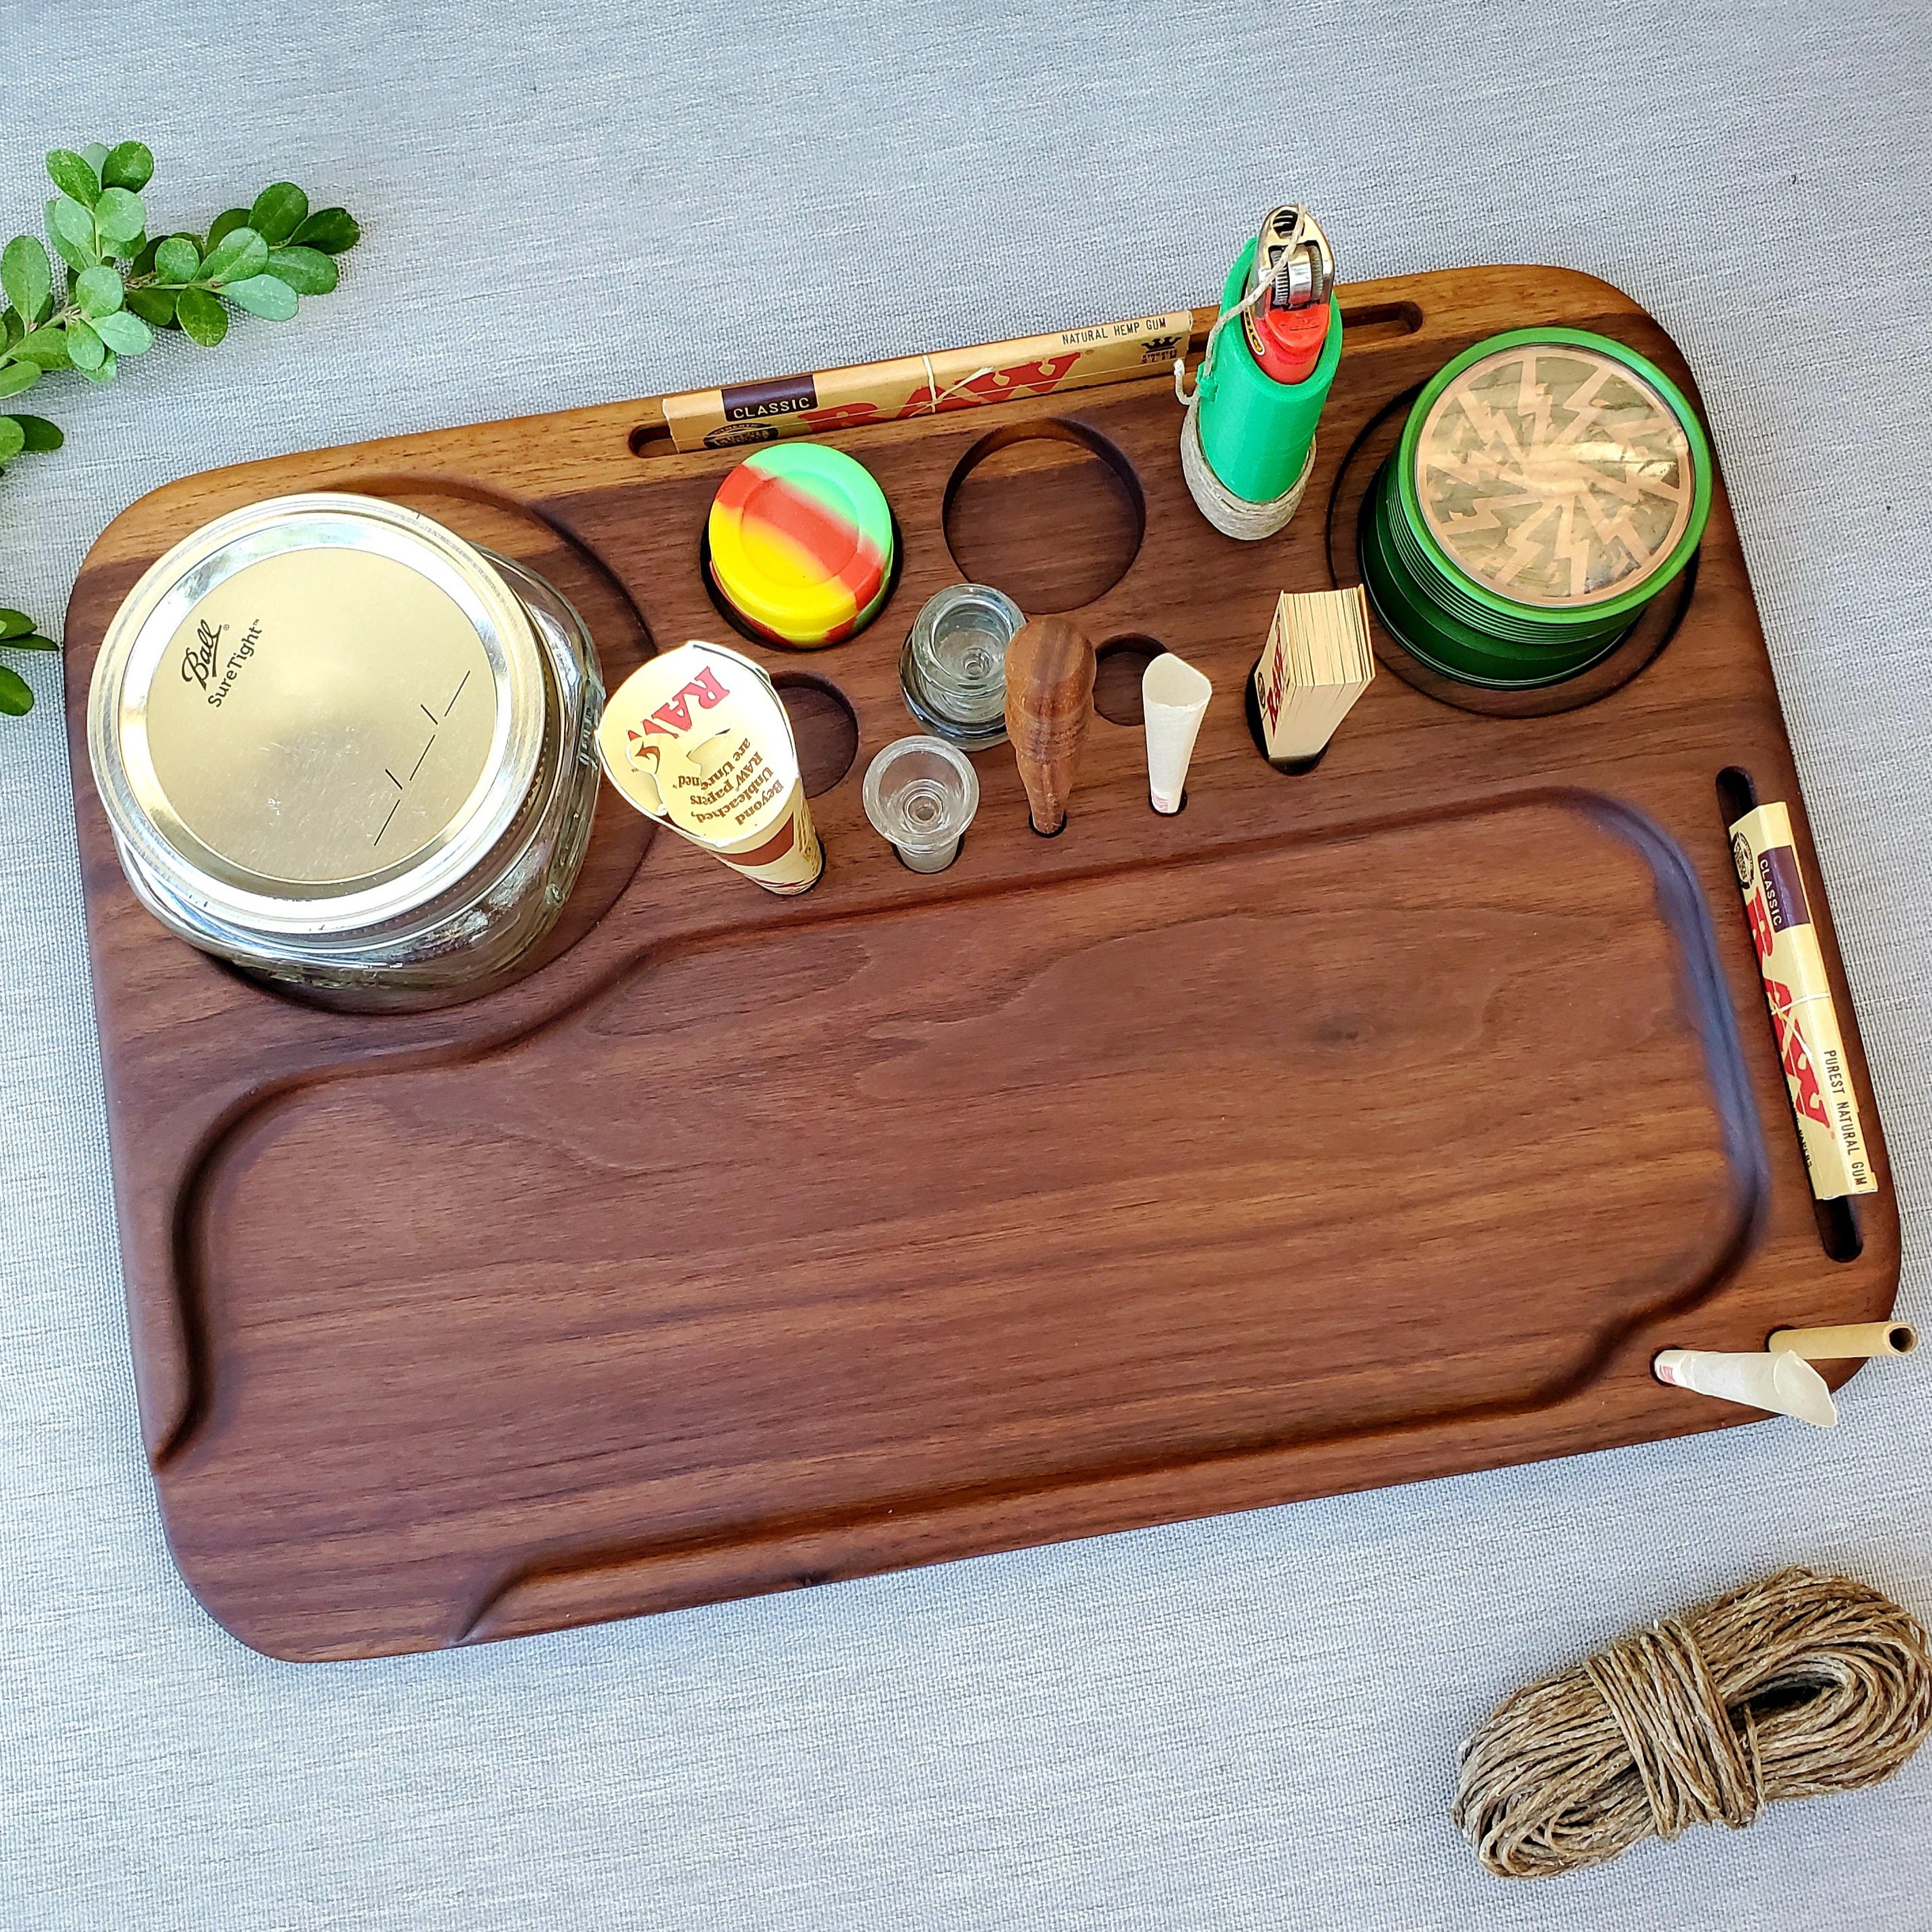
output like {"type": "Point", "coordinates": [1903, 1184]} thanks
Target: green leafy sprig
{"type": "Point", "coordinates": [117, 286]}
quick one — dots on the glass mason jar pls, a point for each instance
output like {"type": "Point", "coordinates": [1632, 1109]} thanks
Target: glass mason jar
{"type": "Point", "coordinates": [347, 750]}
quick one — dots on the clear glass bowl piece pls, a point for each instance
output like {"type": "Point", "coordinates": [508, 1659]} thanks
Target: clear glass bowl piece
{"type": "Point", "coordinates": [920, 795]}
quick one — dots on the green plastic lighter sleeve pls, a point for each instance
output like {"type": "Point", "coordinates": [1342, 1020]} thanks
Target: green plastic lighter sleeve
{"type": "Point", "coordinates": [1255, 432]}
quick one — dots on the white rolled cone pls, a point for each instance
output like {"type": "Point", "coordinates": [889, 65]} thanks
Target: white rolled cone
{"type": "Point", "coordinates": [1173, 695]}
{"type": "Point", "coordinates": [1783, 1382]}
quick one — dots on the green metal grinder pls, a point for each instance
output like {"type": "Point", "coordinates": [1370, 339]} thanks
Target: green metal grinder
{"type": "Point", "coordinates": [1549, 483]}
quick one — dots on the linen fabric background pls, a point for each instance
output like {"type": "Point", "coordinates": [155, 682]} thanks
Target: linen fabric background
{"type": "Point", "coordinates": [1250, 1722]}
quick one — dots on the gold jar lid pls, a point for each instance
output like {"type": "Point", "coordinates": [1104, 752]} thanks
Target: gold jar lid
{"type": "Point", "coordinates": [316, 714]}
{"type": "Point", "coordinates": [1555, 473]}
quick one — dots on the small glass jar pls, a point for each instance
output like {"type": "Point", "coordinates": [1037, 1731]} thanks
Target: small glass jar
{"type": "Point", "coordinates": [953, 668]}
{"type": "Point", "coordinates": [347, 750]}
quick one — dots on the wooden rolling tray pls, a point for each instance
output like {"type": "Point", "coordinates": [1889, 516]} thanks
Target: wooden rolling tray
{"type": "Point", "coordinates": [1344, 1130]}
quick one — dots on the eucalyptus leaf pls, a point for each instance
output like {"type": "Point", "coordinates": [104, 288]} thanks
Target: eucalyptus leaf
{"type": "Point", "coordinates": [129, 164]}
{"type": "Point", "coordinates": [126, 335]}
{"type": "Point", "coordinates": [28, 277]}
{"type": "Point", "coordinates": [237, 255]}
{"type": "Point", "coordinates": [225, 225]}
{"type": "Point", "coordinates": [74, 174]}
{"type": "Point", "coordinates": [177, 259]}
{"type": "Point", "coordinates": [98, 291]}
{"type": "Point", "coordinates": [266, 295]}
{"type": "Point", "coordinates": [202, 318]}
{"type": "Point", "coordinates": [331, 230]}
{"type": "Point", "coordinates": [280, 209]}
{"type": "Point", "coordinates": [120, 215]}
{"type": "Point", "coordinates": [307, 270]}
{"type": "Point", "coordinates": [85, 350]}
{"type": "Point", "coordinates": [155, 307]}
{"type": "Point", "coordinates": [71, 227]}
{"type": "Point", "coordinates": [120, 283]}
{"type": "Point", "coordinates": [45, 346]}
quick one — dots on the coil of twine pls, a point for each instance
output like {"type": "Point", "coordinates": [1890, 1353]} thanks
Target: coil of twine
{"type": "Point", "coordinates": [1233, 516]}
{"type": "Point", "coordinates": [1791, 1687]}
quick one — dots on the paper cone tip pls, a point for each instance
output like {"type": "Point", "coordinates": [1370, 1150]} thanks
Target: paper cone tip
{"type": "Point", "coordinates": [1804, 1392]}
{"type": "Point", "coordinates": [1783, 1383]}
{"type": "Point", "coordinates": [1172, 681]}
{"type": "Point", "coordinates": [1174, 696]}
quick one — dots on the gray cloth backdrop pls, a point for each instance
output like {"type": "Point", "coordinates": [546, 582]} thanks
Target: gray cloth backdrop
{"type": "Point", "coordinates": [1248, 1722]}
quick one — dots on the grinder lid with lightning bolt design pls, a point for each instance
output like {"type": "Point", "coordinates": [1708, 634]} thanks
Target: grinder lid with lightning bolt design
{"type": "Point", "coordinates": [1548, 484]}
{"type": "Point", "coordinates": [800, 543]}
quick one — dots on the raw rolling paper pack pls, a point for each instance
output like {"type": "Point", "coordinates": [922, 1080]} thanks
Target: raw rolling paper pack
{"type": "Point", "coordinates": [1804, 1021]}
{"type": "Point", "coordinates": [699, 740]}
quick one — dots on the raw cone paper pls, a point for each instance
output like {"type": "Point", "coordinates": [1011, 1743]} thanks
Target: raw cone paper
{"type": "Point", "coordinates": [698, 740]}
{"type": "Point", "coordinates": [1174, 697]}
{"type": "Point", "coordinates": [1784, 1383]}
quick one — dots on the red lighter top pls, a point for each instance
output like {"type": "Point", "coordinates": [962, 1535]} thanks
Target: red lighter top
{"type": "Point", "coordinates": [1287, 342]}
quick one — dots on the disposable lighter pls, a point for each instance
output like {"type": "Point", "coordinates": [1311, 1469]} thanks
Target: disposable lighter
{"type": "Point", "coordinates": [1261, 400]}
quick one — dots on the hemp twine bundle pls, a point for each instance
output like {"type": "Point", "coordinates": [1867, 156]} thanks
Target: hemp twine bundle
{"type": "Point", "coordinates": [1790, 1687]}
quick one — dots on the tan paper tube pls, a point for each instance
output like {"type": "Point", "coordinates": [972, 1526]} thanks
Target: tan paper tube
{"type": "Point", "coordinates": [1174, 697]}
{"type": "Point", "coordinates": [944, 380]}
{"type": "Point", "coordinates": [1785, 1384]}
{"type": "Point", "coordinates": [1848, 1342]}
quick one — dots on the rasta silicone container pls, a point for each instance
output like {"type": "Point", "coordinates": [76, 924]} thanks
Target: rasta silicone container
{"type": "Point", "coordinates": [799, 544]}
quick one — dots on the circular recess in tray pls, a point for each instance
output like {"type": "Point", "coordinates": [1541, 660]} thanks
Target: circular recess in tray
{"type": "Point", "coordinates": [1119, 665]}
{"type": "Point", "coordinates": [823, 725]}
{"type": "Point", "coordinates": [1048, 512]}
{"type": "Point", "coordinates": [1611, 672]}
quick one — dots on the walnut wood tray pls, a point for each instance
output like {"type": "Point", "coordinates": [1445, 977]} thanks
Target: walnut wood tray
{"type": "Point", "coordinates": [1345, 1129]}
